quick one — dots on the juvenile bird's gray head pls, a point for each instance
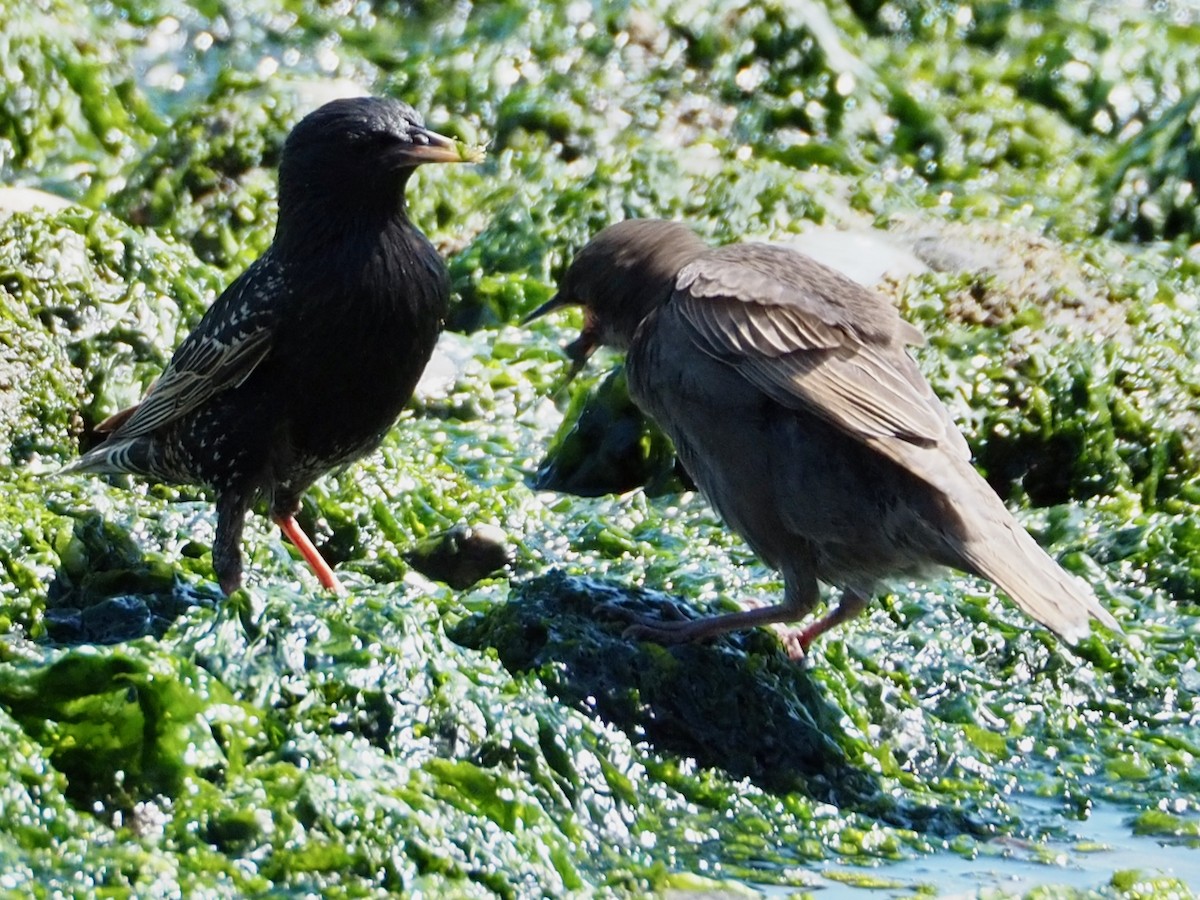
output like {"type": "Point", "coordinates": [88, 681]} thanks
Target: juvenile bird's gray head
{"type": "Point", "coordinates": [623, 274]}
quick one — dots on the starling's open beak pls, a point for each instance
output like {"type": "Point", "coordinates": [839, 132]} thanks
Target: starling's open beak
{"type": "Point", "coordinates": [580, 349]}
{"type": "Point", "coordinates": [558, 301]}
{"type": "Point", "coordinates": [430, 147]}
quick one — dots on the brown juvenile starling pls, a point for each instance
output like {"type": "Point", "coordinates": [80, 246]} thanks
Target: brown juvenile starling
{"type": "Point", "coordinates": [794, 405]}
{"type": "Point", "coordinates": [308, 357]}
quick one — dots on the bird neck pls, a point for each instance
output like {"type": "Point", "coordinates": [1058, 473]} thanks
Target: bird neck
{"type": "Point", "coordinates": [631, 296]}
{"type": "Point", "coordinates": [322, 221]}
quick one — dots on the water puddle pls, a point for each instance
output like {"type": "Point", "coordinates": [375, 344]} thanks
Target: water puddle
{"type": "Point", "coordinates": [1100, 846]}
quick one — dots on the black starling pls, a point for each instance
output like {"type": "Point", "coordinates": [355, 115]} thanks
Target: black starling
{"type": "Point", "coordinates": [308, 357]}
{"type": "Point", "coordinates": [793, 404]}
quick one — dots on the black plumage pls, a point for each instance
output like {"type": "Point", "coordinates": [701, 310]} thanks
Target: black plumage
{"type": "Point", "coordinates": [306, 360]}
{"type": "Point", "coordinates": [792, 402]}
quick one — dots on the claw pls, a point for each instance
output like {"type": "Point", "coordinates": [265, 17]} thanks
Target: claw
{"type": "Point", "coordinates": [612, 610]}
{"type": "Point", "coordinates": [660, 632]}
{"type": "Point", "coordinates": [668, 617]}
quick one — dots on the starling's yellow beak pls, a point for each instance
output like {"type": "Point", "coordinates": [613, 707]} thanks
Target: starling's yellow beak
{"type": "Point", "coordinates": [430, 147]}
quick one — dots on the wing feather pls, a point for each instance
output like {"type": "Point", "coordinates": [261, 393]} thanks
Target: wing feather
{"type": "Point", "coordinates": [230, 341]}
{"type": "Point", "coordinates": [811, 338]}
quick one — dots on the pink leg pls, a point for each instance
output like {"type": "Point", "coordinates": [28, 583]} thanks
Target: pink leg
{"type": "Point", "coordinates": [800, 596]}
{"type": "Point", "coordinates": [851, 604]}
{"type": "Point", "coordinates": [797, 603]}
{"type": "Point", "coordinates": [295, 534]}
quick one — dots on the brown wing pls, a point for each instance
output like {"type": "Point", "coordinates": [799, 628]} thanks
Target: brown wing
{"type": "Point", "coordinates": [227, 344]}
{"type": "Point", "coordinates": [811, 338]}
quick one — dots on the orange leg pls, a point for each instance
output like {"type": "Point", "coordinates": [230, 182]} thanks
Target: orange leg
{"type": "Point", "coordinates": [295, 534]}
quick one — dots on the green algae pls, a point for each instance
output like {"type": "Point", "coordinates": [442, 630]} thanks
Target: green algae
{"type": "Point", "coordinates": [606, 446]}
{"type": "Point", "coordinates": [71, 110]}
{"type": "Point", "coordinates": [113, 302]}
{"type": "Point", "coordinates": [211, 175]}
{"type": "Point", "coordinates": [503, 739]}
{"type": "Point", "coordinates": [1156, 174]}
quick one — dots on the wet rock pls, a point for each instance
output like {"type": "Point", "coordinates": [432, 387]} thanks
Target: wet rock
{"type": "Point", "coordinates": [737, 703]}
{"type": "Point", "coordinates": [462, 555]}
{"type": "Point", "coordinates": [764, 719]}
{"type": "Point", "coordinates": [605, 445]}
{"type": "Point", "coordinates": [106, 592]}
{"type": "Point", "coordinates": [110, 621]}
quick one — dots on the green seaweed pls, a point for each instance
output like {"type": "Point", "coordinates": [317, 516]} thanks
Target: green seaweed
{"type": "Point", "coordinates": [605, 445]}
{"type": "Point", "coordinates": [504, 738]}
{"type": "Point", "coordinates": [72, 113]}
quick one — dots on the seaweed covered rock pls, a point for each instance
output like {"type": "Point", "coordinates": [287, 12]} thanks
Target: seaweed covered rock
{"type": "Point", "coordinates": [71, 108]}
{"type": "Point", "coordinates": [606, 445]}
{"type": "Point", "coordinates": [91, 311]}
{"type": "Point", "coordinates": [740, 705]}
{"type": "Point", "coordinates": [1062, 103]}
{"type": "Point", "coordinates": [105, 591]}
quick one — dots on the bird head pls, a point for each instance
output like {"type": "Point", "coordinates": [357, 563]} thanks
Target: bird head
{"type": "Point", "coordinates": [624, 273]}
{"type": "Point", "coordinates": [361, 147]}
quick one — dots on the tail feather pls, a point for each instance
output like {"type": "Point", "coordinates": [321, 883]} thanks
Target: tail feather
{"type": "Point", "coordinates": [133, 456]}
{"type": "Point", "coordinates": [1009, 557]}
{"type": "Point", "coordinates": [982, 537]}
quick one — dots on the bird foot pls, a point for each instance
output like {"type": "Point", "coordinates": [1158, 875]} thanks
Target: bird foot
{"type": "Point", "coordinates": [662, 632]}
{"type": "Point", "coordinates": [670, 625]}
{"type": "Point", "coordinates": [668, 614]}
{"type": "Point", "coordinates": [795, 640]}
{"type": "Point", "coordinates": [230, 582]}
{"type": "Point", "coordinates": [793, 643]}
{"type": "Point", "coordinates": [673, 625]}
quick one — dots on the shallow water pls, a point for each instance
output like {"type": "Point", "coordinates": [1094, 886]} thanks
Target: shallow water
{"type": "Point", "coordinates": [1085, 860]}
